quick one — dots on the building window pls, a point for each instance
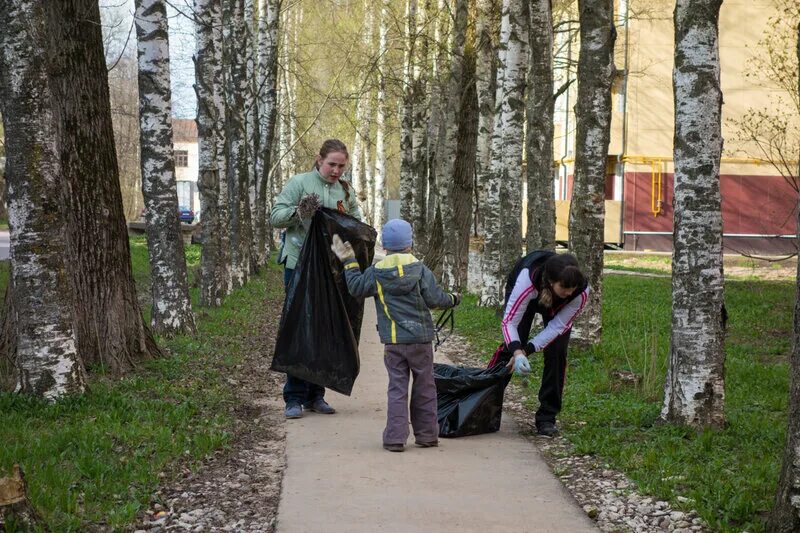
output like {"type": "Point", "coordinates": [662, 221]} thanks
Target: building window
{"type": "Point", "coordinates": [181, 158]}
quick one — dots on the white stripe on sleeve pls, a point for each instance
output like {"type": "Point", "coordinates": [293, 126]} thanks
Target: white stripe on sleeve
{"type": "Point", "coordinates": [521, 295]}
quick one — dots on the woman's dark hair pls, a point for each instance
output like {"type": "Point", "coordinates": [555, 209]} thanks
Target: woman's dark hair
{"type": "Point", "coordinates": [328, 147]}
{"type": "Point", "coordinates": [564, 269]}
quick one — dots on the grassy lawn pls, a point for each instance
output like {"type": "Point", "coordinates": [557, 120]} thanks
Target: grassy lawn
{"type": "Point", "coordinates": [96, 459]}
{"type": "Point", "coordinates": [729, 476]}
{"type": "Point", "coordinates": [3, 224]}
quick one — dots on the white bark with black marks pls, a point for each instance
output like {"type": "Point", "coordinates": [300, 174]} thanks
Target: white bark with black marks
{"type": "Point", "coordinates": [379, 191]}
{"type": "Point", "coordinates": [485, 79]}
{"type": "Point", "coordinates": [503, 195]}
{"type": "Point", "coordinates": [46, 356]}
{"type": "Point", "coordinates": [212, 282]}
{"type": "Point", "coordinates": [694, 392]}
{"type": "Point", "coordinates": [172, 309]}
{"type": "Point", "coordinates": [593, 132]}
{"type": "Point", "coordinates": [407, 118]}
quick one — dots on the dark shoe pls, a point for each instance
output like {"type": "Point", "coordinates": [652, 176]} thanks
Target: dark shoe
{"type": "Point", "coordinates": [320, 406]}
{"type": "Point", "coordinates": [433, 444]}
{"type": "Point", "coordinates": [293, 410]}
{"type": "Point", "coordinates": [394, 447]}
{"type": "Point", "coordinates": [547, 429]}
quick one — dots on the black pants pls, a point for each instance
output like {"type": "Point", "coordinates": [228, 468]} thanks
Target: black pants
{"type": "Point", "coordinates": [551, 390]}
{"type": "Point", "coordinates": [297, 390]}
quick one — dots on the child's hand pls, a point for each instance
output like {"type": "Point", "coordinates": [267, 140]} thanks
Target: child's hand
{"type": "Point", "coordinates": [342, 250]}
{"type": "Point", "coordinates": [456, 299]}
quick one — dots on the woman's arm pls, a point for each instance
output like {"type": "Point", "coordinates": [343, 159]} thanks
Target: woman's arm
{"type": "Point", "coordinates": [521, 296]}
{"type": "Point", "coordinates": [561, 322]}
{"type": "Point", "coordinates": [285, 206]}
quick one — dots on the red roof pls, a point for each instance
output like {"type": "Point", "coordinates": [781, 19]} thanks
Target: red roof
{"type": "Point", "coordinates": [184, 130]}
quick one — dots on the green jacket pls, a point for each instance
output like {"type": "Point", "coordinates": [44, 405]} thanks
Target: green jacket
{"type": "Point", "coordinates": [404, 291]}
{"type": "Point", "coordinates": [285, 207]}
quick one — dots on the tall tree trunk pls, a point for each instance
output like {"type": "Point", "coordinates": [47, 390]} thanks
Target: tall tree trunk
{"type": "Point", "coordinates": [593, 133]}
{"type": "Point", "coordinates": [111, 331]}
{"type": "Point", "coordinates": [694, 392]}
{"type": "Point", "coordinates": [486, 86]}
{"type": "Point", "coordinates": [235, 135]}
{"type": "Point", "coordinates": [464, 172]}
{"type": "Point", "coordinates": [252, 134]}
{"type": "Point", "coordinates": [541, 231]}
{"type": "Point", "coordinates": [213, 283]}
{"type": "Point", "coordinates": [785, 515]}
{"type": "Point", "coordinates": [379, 191]}
{"type": "Point", "coordinates": [172, 310]}
{"type": "Point", "coordinates": [268, 109]}
{"type": "Point", "coordinates": [419, 127]}
{"type": "Point", "coordinates": [47, 360]}
{"type": "Point", "coordinates": [452, 104]}
{"type": "Point", "coordinates": [407, 181]}
{"type": "Point", "coordinates": [502, 222]}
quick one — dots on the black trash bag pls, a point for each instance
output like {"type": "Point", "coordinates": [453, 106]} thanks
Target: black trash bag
{"type": "Point", "coordinates": [470, 400]}
{"type": "Point", "coordinates": [321, 323]}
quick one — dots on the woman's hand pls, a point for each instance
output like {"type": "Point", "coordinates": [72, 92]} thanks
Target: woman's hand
{"type": "Point", "coordinates": [519, 363]}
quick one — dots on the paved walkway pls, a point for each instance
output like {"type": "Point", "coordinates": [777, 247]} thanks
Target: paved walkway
{"type": "Point", "coordinates": [340, 479]}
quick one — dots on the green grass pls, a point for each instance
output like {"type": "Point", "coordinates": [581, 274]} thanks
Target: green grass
{"type": "Point", "coordinates": [3, 224]}
{"type": "Point", "coordinates": [95, 460]}
{"type": "Point", "coordinates": [730, 476]}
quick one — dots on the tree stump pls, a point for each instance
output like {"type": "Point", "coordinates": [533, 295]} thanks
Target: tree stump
{"type": "Point", "coordinates": [16, 511]}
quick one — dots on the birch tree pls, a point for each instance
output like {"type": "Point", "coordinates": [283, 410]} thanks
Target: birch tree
{"type": "Point", "coordinates": [268, 109]}
{"type": "Point", "coordinates": [541, 230]}
{"type": "Point", "coordinates": [407, 121]}
{"type": "Point", "coordinates": [502, 219]}
{"type": "Point", "coordinates": [785, 515]}
{"type": "Point", "coordinates": [171, 309]}
{"type": "Point", "coordinates": [593, 132]}
{"type": "Point", "coordinates": [419, 126]}
{"type": "Point", "coordinates": [237, 174]}
{"type": "Point", "coordinates": [485, 79]}
{"type": "Point", "coordinates": [379, 191]}
{"type": "Point", "coordinates": [110, 329]}
{"type": "Point", "coordinates": [694, 392]}
{"type": "Point", "coordinates": [47, 360]}
{"type": "Point", "coordinates": [213, 265]}
{"type": "Point", "coordinates": [446, 157]}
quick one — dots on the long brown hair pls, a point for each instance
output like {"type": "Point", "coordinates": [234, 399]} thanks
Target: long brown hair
{"type": "Point", "coordinates": [328, 147]}
{"type": "Point", "coordinates": [563, 269]}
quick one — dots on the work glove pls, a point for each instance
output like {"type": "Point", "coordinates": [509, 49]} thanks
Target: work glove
{"type": "Point", "coordinates": [520, 364]}
{"type": "Point", "coordinates": [456, 299]}
{"type": "Point", "coordinates": [342, 250]}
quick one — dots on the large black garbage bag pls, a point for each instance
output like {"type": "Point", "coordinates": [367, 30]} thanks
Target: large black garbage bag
{"type": "Point", "coordinates": [321, 323]}
{"type": "Point", "coordinates": [470, 400]}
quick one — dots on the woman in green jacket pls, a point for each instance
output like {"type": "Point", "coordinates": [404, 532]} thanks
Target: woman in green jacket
{"type": "Point", "coordinates": [324, 180]}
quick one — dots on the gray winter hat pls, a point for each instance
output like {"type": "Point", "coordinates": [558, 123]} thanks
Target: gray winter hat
{"type": "Point", "coordinates": [397, 235]}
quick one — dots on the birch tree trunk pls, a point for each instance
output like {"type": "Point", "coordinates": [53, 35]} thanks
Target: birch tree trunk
{"type": "Point", "coordinates": [592, 135]}
{"type": "Point", "coordinates": [237, 168]}
{"type": "Point", "coordinates": [252, 131]}
{"type": "Point", "coordinates": [111, 332]}
{"type": "Point", "coordinates": [785, 515]}
{"type": "Point", "coordinates": [541, 231]}
{"type": "Point", "coordinates": [172, 310]}
{"type": "Point", "coordinates": [502, 221]}
{"type": "Point", "coordinates": [694, 392]}
{"type": "Point", "coordinates": [407, 180]}
{"type": "Point", "coordinates": [419, 127]}
{"type": "Point", "coordinates": [213, 285]}
{"type": "Point", "coordinates": [46, 356]}
{"type": "Point", "coordinates": [268, 109]}
{"type": "Point", "coordinates": [486, 83]}
{"type": "Point", "coordinates": [447, 152]}
{"type": "Point", "coordinates": [223, 273]}
{"type": "Point", "coordinates": [379, 192]}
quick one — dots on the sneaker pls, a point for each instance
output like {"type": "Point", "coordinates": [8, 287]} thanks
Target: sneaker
{"type": "Point", "coordinates": [547, 429]}
{"type": "Point", "coordinates": [394, 447]}
{"type": "Point", "coordinates": [432, 444]}
{"type": "Point", "coordinates": [293, 410]}
{"type": "Point", "coordinates": [320, 406]}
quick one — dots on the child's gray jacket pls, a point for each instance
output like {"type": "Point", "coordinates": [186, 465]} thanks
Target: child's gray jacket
{"type": "Point", "coordinates": [404, 291]}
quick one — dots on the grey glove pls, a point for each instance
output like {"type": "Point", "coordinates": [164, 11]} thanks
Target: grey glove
{"type": "Point", "coordinates": [521, 365]}
{"type": "Point", "coordinates": [342, 250]}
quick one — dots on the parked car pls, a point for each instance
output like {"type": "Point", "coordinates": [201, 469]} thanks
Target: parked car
{"type": "Point", "coordinates": [185, 214]}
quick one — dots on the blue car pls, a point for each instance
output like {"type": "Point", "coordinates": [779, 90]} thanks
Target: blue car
{"type": "Point", "coordinates": [185, 214]}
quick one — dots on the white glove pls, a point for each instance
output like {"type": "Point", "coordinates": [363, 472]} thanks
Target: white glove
{"type": "Point", "coordinates": [521, 365]}
{"type": "Point", "coordinates": [342, 250]}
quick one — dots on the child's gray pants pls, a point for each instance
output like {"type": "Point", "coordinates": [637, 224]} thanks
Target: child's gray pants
{"type": "Point", "coordinates": [418, 359]}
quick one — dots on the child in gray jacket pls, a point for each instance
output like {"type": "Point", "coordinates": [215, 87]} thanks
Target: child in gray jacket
{"type": "Point", "coordinates": [404, 291]}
